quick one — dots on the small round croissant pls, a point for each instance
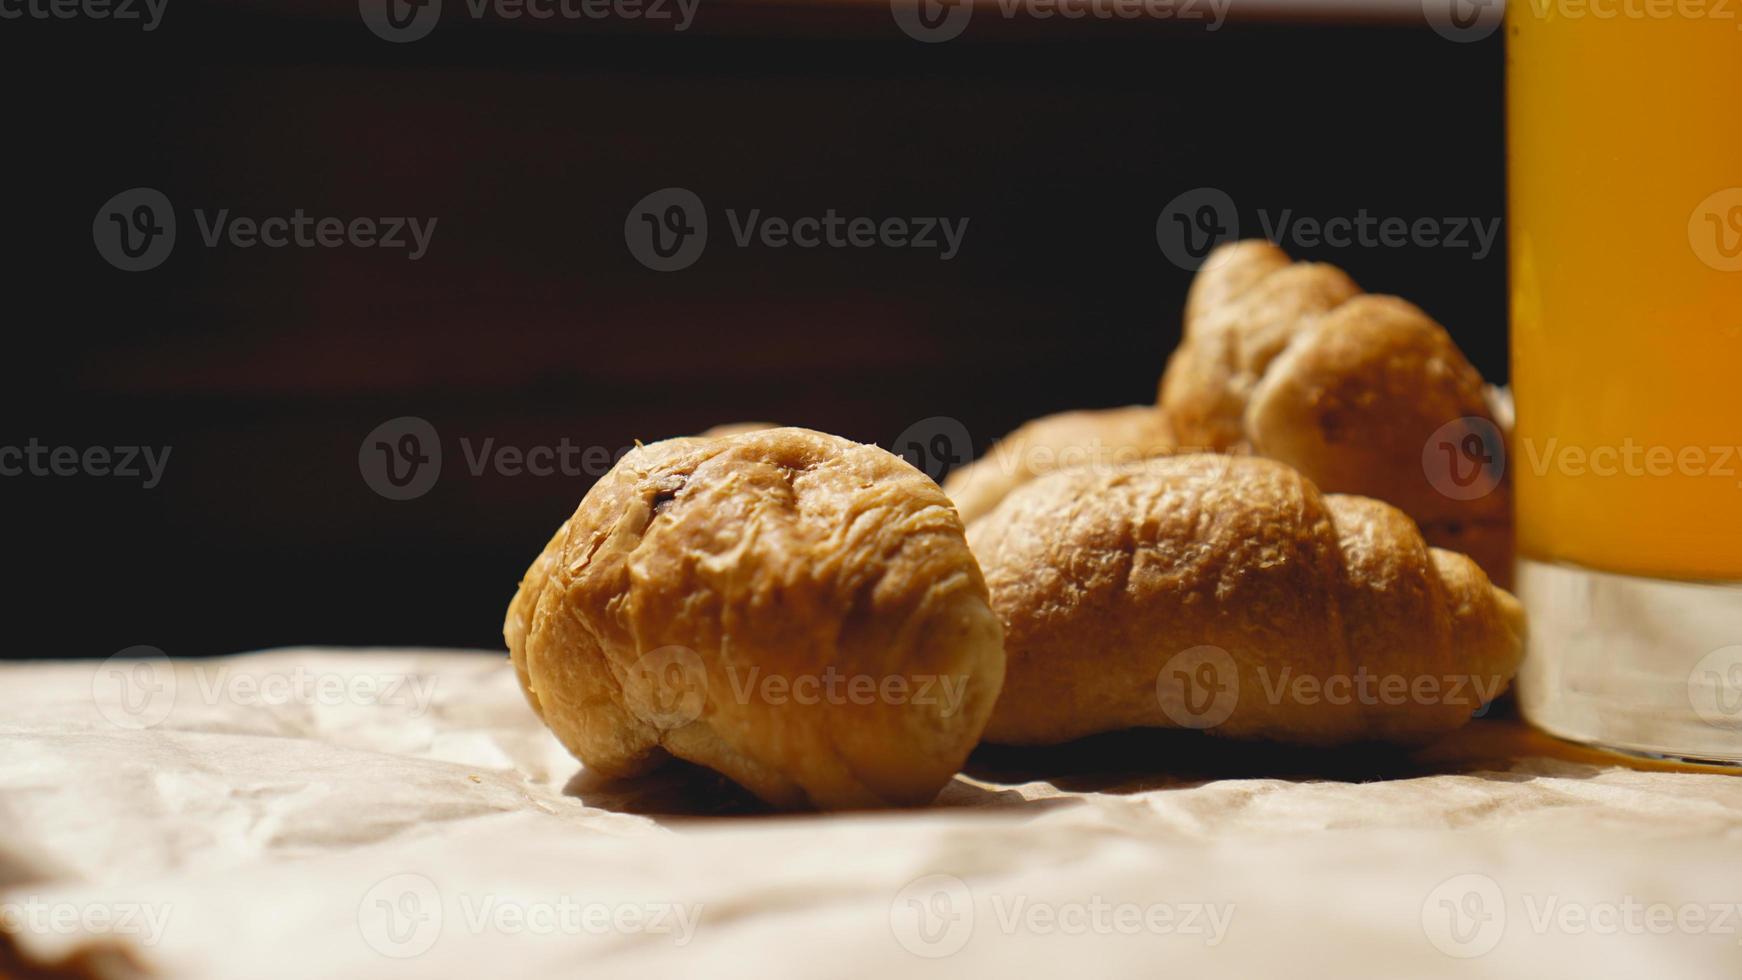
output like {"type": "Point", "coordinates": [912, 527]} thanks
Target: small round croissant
{"type": "Point", "coordinates": [1225, 593]}
{"type": "Point", "coordinates": [1092, 437]}
{"type": "Point", "coordinates": [794, 610]}
{"type": "Point", "coordinates": [1363, 394]}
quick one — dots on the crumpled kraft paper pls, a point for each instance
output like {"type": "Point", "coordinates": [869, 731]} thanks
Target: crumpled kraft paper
{"type": "Point", "coordinates": [334, 813]}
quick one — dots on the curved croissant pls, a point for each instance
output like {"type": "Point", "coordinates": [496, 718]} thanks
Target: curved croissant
{"type": "Point", "coordinates": [1225, 592]}
{"type": "Point", "coordinates": [792, 609]}
{"type": "Point", "coordinates": [1363, 394]}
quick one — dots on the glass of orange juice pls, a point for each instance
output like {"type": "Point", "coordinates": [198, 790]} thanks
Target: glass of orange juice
{"type": "Point", "coordinates": [1624, 123]}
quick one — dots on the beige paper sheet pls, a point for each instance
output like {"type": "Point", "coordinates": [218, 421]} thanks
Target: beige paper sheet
{"type": "Point", "coordinates": [326, 813]}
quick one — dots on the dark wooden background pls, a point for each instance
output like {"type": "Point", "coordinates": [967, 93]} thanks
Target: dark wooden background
{"type": "Point", "coordinates": [529, 321]}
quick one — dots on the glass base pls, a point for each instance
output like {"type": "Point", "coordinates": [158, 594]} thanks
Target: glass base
{"type": "Point", "coordinates": [1641, 665]}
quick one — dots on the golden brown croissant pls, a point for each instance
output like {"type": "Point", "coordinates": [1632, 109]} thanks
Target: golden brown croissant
{"type": "Point", "coordinates": [1094, 437]}
{"type": "Point", "coordinates": [1226, 593]}
{"type": "Point", "coordinates": [1361, 393]}
{"type": "Point", "coordinates": [792, 609]}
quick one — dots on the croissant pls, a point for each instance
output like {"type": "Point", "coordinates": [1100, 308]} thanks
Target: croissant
{"type": "Point", "coordinates": [794, 610]}
{"type": "Point", "coordinates": [1363, 394]}
{"type": "Point", "coordinates": [1095, 437]}
{"type": "Point", "coordinates": [1226, 593]}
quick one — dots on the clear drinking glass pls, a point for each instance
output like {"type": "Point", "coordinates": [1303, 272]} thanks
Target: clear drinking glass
{"type": "Point", "coordinates": [1625, 171]}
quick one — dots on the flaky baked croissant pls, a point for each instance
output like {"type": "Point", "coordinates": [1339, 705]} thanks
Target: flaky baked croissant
{"type": "Point", "coordinates": [792, 609]}
{"type": "Point", "coordinates": [1092, 437]}
{"type": "Point", "coordinates": [1226, 593]}
{"type": "Point", "coordinates": [1363, 394]}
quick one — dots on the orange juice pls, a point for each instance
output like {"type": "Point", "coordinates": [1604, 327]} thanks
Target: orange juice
{"type": "Point", "coordinates": [1625, 157]}
{"type": "Point", "coordinates": [1625, 169]}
